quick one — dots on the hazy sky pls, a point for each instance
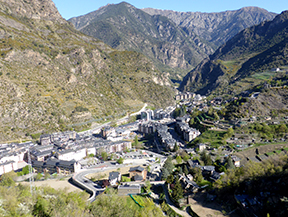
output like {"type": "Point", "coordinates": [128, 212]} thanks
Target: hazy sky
{"type": "Point", "coordinates": [72, 8]}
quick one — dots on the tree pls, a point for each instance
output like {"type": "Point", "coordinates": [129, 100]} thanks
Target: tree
{"type": "Point", "coordinates": [178, 159]}
{"type": "Point", "coordinates": [169, 165]}
{"type": "Point", "coordinates": [7, 179]}
{"type": "Point", "coordinates": [120, 160]}
{"type": "Point", "coordinates": [230, 132]}
{"type": "Point", "coordinates": [148, 185]}
{"type": "Point", "coordinates": [230, 164]}
{"type": "Point", "coordinates": [185, 170]}
{"type": "Point", "coordinates": [180, 170]}
{"type": "Point", "coordinates": [197, 174]}
{"type": "Point", "coordinates": [176, 147]}
{"type": "Point", "coordinates": [177, 192]}
{"type": "Point", "coordinates": [170, 179]}
{"type": "Point", "coordinates": [135, 143]}
{"type": "Point", "coordinates": [46, 175]}
{"type": "Point", "coordinates": [282, 128]}
{"type": "Point", "coordinates": [25, 170]}
{"type": "Point", "coordinates": [216, 116]}
{"type": "Point", "coordinates": [206, 158]}
{"type": "Point", "coordinates": [104, 155]}
{"type": "Point", "coordinates": [165, 173]}
{"type": "Point", "coordinates": [38, 176]}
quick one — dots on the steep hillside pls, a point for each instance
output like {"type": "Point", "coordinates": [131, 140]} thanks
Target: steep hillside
{"type": "Point", "coordinates": [53, 76]}
{"type": "Point", "coordinates": [125, 27]}
{"type": "Point", "coordinates": [255, 49]}
{"type": "Point", "coordinates": [216, 28]}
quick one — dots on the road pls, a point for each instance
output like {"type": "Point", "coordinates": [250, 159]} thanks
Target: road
{"type": "Point", "coordinates": [121, 120]}
{"type": "Point", "coordinates": [81, 181]}
{"type": "Point", "coordinates": [171, 204]}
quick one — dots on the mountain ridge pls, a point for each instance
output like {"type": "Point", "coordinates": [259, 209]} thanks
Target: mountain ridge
{"type": "Point", "coordinates": [123, 26]}
{"type": "Point", "coordinates": [215, 27]}
{"type": "Point", "coordinates": [243, 55]}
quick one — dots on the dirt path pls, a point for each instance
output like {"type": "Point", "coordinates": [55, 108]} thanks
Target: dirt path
{"type": "Point", "coordinates": [205, 209]}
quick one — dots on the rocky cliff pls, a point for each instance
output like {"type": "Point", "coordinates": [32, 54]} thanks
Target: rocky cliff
{"type": "Point", "coordinates": [215, 28]}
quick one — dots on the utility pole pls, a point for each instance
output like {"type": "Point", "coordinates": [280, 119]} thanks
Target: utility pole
{"type": "Point", "coordinates": [31, 178]}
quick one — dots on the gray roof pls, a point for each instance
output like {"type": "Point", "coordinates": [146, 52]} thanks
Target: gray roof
{"type": "Point", "coordinates": [113, 175]}
{"type": "Point", "coordinates": [140, 169]}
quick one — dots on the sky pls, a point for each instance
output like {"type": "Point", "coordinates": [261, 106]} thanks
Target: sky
{"type": "Point", "coordinates": [73, 8]}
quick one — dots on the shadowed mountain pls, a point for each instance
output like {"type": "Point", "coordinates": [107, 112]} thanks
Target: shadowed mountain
{"type": "Point", "coordinates": [125, 27]}
{"type": "Point", "coordinates": [255, 49]}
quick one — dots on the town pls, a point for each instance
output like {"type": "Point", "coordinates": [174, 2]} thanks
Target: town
{"type": "Point", "coordinates": [161, 146]}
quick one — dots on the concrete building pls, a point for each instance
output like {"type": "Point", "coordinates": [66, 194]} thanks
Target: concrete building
{"type": "Point", "coordinates": [7, 167]}
{"type": "Point", "coordinates": [124, 190]}
{"type": "Point", "coordinates": [70, 154]}
{"type": "Point", "coordinates": [187, 133]}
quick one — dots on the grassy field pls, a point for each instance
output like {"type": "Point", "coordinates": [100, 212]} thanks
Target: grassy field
{"type": "Point", "coordinates": [215, 138]}
{"type": "Point", "coordinates": [263, 75]}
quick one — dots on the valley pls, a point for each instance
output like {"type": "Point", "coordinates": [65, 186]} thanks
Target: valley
{"type": "Point", "coordinates": [142, 112]}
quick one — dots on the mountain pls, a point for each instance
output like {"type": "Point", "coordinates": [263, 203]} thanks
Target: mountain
{"type": "Point", "coordinates": [255, 49]}
{"type": "Point", "coordinates": [53, 76]}
{"type": "Point", "coordinates": [216, 28]}
{"type": "Point", "coordinates": [124, 27]}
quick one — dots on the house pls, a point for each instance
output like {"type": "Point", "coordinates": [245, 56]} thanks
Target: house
{"type": "Point", "coordinates": [137, 173]}
{"type": "Point", "coordinates": [124, 190]}
{"type": "Point", "coordinates": [202, 147]}
{"type": "Point", "coordinates": [236, 160]}
{"type": "Point", "coordinates": [114, 177]}
{"type": "Point", "coordinates": [215, 175]}
{"type": "Point", "coordinates": [193, 163]}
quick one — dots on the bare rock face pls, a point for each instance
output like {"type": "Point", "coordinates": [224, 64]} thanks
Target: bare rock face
{"type": "Point", "coordinates": [216, 28]}
{"type": "Point", "coordinates": [33, 9]}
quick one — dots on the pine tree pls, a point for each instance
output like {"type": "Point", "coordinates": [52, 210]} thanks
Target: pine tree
{"type": "Point", "coordinates": [165, 173]}
{"type": "Point", "coordinates": [177, 192]}
{"type": "Point", "coordinates": [230, 164]}
{"type": "Point", "coordinates": [169, 165]}
{"type": "Point", "coordinates": [185, 170]}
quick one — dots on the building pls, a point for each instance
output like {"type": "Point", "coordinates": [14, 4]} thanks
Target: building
{"type": "Point", "coordinates": [236, 160]}
{"type": "Point", "coordinates": [57, 166]}
{"type": "Point", "coordinates": [70, 154]}
{"type": "Point", "coordinates": [45, 139]}
{"type": "Point", "coordinates": [202, 147]}
{"type": "Point", "coordinates": [187, 133]}
{"type": "Point", "coordinates": [7, 167]}
{"type": "Point", "coordinates": [137, 173]}
{"type": "Point", "coordinates": [114, 177]}
{"type": "Point", "coordinates": [124, 190]}
{"type": "Point", "coordinates": [108, 132]}
{"type": "Point", "coordinates": [183, 96]}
